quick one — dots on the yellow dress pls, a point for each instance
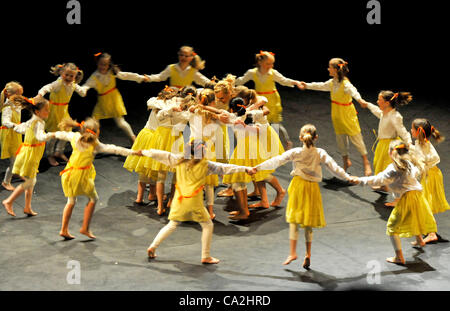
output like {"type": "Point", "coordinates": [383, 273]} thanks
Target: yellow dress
{"type": "Point", "coordinates": [305, 204]}
{"type": "Point", "coordinates": [269, 90]}
{"type": "Point", "coordinates": [110, 103]}
{"type": "Point", "coordinates": [433, 190]}
{"type": "Point", "coordinates": [177, 80]}
{"type": "Point", "coordinates": [164, 140]}
{"type": "Point", "coordinates": [136, 163]}
{"type": "Point", "coordinates": [29, 154]}
{"type": "Point", "coordinates": [59, 108]}
{"type": "Point", "coordinates": [78, 176]}
{"type": "Point", "coordinates": [187, 203]}
{"type": "Point", "coordinates": [411, 216]}
{"type": "Point", "coordinates": [343, 112]}
{"type": "Point", "coordinates": [381, 157]}
{"type": "Point", "coordinates": [10, 139]}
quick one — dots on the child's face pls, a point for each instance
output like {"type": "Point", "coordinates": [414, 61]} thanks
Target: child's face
{"type": "Point", "coordinates": [185, 56]}
{"type": "Point", "coordinates": [222, 97]}
{"type": "Point", "coordinates": [103, 65]}
{"type": "Point", "coordinates": [266, 64]}
{"type": "Point", "coordinates": [43, 113]}
{"type": "Point", "coordinates": [382, 103]}
{"type": "Point", "coordinates": [68, 75]}
{"type": "Point", "coordinates": [332, 70]}
{"type": "Point", "coordinates": [414, 131]}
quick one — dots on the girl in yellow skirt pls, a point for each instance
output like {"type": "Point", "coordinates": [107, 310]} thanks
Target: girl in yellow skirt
{"type": "Point", "coordinates": [343, 112]}
{"type": "Point", "coordinates": [265, 77]}
{"type": "Point", "coordinates": [30, 152]}
{"type": "Point", "coordinates": [10, 140]}
{"type": "Point", "coordinates": [191, 170]}
{"type": "Point", "coordinates": [185, 72]}
{"type": "Point", "coordinates": [390, 127]}
{"type": "Point", "coordinates": [61, 91]}
{"type": "Point", "coordinates": [305, 201]}
{"type": "Point", "coordinates": [78, 176]}
{"type": "Point", "coordinates": [412, 215]}
{"type": "Point", "coordinates": [432, 179]}
{"type": "Point", "coordinates": [109, 101]}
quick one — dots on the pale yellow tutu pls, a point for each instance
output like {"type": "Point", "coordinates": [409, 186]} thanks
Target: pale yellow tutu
{"type": "Point", "coordinates": [76, 182]}
{"type": "Point", "coordinates": [164, 140]}
{"type": "Point", "coordinates": [10, 141]}
{"type": "Point", "coordinates": [274, 105]}
{"type": "Point", "coordinates": [381, 158]}
{"type": "Point", "coordinates": [136, 163]}
{"type": "Point", "coordinates": [109, 106]}
{"type": "Point", "coordinates": [305, 204]}
{"type": "Point", "coordinates": [433, 190]}
{"type": "Point", "coordinates": [411, 216]}
{"type": "Point", "coordinates": [28, 159]}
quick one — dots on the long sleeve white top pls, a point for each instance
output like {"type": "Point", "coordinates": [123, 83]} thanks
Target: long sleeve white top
{"type": "Point", "coordinates": [99, 148]}
{"type": "Point", "coordinates": [7, 114]}
{"type": "Point", "coordinates": [277, 77]}
{"type": "Point", "coordinates": [199, 78]}
{"type": "Point", "coordinates": [391, 124]}
{"type": "Point", "coordinates": [174, 119]}
{"type": "Point", "coordinates": [427, 153]}
{"type": "Point", "coordinates": [39, 128]}
{"type": "Point", "coordinates": [56, 85]}
{"type": "Point", "coordinates": [104, 78]}
{"type": "Point", "coordinates": [155, 105]}
{"type": "Point", "coordinates": [306, 163]}
{"type": "Point", "coordinates": [399, 182]}
{"type": "Point", "coordinates": [333, 85]}
{"type": "Point", "coordinates": [172, 159]}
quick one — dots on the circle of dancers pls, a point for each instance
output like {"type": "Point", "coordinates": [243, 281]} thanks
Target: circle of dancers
{"type": "Point", "coordinates": [220, 114]}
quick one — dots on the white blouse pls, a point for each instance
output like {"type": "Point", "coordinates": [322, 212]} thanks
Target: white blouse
{"type": "Point", "coordinates": [277, 77]}
{"type": "Point", "coordinates": [172, 159]}
{"type": "Point", "coordinates": [55, 86]}
{"type": "Point", "coordinates": [399, 182]}
{"type": "Point", "coordinates": [7, 114]}
{"type": "Point", "coordinates": [427, 153]}
{"type": "Point", "coordinates": [173, 119]}
{"type": "Point", "coordinates": [39, 128]}
{"type": "Point", "coordinates": [165, 74]}
{"type": "Point", "coordinates": [333, 85]}
{"type": "Point", "coordinates": [306, 163]}
{"type": "Point", "coordinates": [104, 78]}
{"type": "Point", "coordinates": [391, 124]}
{"type": "Point", "coordinates": [100, 147]}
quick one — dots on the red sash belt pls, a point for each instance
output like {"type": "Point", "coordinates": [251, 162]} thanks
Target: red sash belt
{"type": "Point", "coordinates": [107, 92]}
{"type": "Point", "coordinates": [58, 104]}
{"type": "Point", "coordinates": [266, 93]}
{"type": "Point", "coordinates": [193, 194]}
{"type": "Point", "coordinates": [29, 145]}
{"type": "Point", "coordinates": [341, 104]}
{"type": "Point", "coordinates": [75, 168]}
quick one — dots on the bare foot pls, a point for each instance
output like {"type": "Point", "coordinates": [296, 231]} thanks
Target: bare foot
{"type": "Point", "coordinates": [431, 237]}
{"type": "Point", "coordinates": [212, 216]}
{"type": "Point", "coordinates": [398, 261]}
{"type": "Point", "coordinates": [238, 217]}
{"type": "Point", "coordinates": [87, 233]}
{"type": "Point", "coordinates": [8, 187]}
{"type": "Point", "coordinates": [233, 213]}
{"type": "Point", "coordinates": [279, 198]}
{"type": "Point", "coordinates": [390, 204]}
{"type": "Point", "coordinates": [289, 259]}
{"type": "Point", "coordinates": [306, 262]}
{"type": "Point", "coordinates": [62, 156]}
{"type": "Point", "coordinates": [417, 244]}
{"type": "Point", "coordinates": [9, 208]}
{"type": "Point", "coordinates": [257, 205]}
{"type": "Point", "coordinates": [367, 170]}
{"type": "Point", "coordinates": [169, 203]}
{"type": "Point", "coordinates": [29, 212]}
{"type": "Point", "coordinates": [151, 253]}
{"type": "Point", "coordinates": [225, 193]}
{"type": "Point", "coordinates": [210, 261]}
{"type": "Point", "coordinates": [52, 161]}
{"type": "Point", "coordinates": [66, 235]}
{"type": "Point", "coordinates": [253, 194]}
{"type": "Point", "coordinates": [161, 211]}
{"type": "Point", "coordinates": [347, 164]}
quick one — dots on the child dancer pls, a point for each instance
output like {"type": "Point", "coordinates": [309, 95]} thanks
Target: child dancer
{"type": "Point", "coordinates": [432, 179]}
{"type": "Point", "coordinates": [78, 176]}
{"type": "Point", "coordinates": [389, 128]}
{"type": "Point", "coordinates": [186, 71]}
{"type": "Point", "coordinates": [304, 206]}
{"type": "Point", "coordinates": [30, 151]}
{"type": "Point", "coordinates": [412, 215]}
{"type": "Point", "coordinates": [10, 140]}
{"type": "Point", "coordinates": [188, 205]}
{"type": "Point", "coordinates": [110, 103]}
{"type": "Point", "coordinates": [61, 90]}
{"type": "Point", "coordinates": [343, 112]}
{"type": "Point", "coordinates": [265, 77]}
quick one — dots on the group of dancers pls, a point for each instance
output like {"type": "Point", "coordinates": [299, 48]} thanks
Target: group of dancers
{"type": "Point", "coordinates": [220, 114]}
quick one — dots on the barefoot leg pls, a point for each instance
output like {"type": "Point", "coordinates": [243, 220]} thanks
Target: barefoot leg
{"type": "Point", "coordinates": [8, 203]}
{"type": "Point", "coordinates": [88, 212]}
{"type": "Point", "coordinates": [28, 196]}
{"type": "Point", "coordinates": [431, 237]}
{"type": "Point", "coordinates": [367, 168]}
{"type": "Point", "coordinates": [140, 192]}
{"type": "Point", "coordinates": [67, 213]}
{"type": "Point", "coordinates": [292, 252]}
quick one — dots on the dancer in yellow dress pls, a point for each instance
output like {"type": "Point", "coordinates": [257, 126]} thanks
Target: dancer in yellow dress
{"type": "Point", "coordinates": [343, 112]}
{"type": "Point", "coordinates": [265, 76]}
{"type": "Point", "coordinates": [412, 215]}
{"type": "Point", "coordinates": [191, 170]}
{"type": "Point", "coordinates": [304, 206]}
{"type": "Point", "coordinates": [61, 91]}
{"type": "Point", "coordinates": [78, 176]}
{"type": "Point", "coordinates": [30, 152]}
{"type": "Point", "coordinates": [185, 72]}
{"type": "Point", "coordinates": [432, 179]}
{"type": "Point", "coordinates": [109, 101]}
{"type": "Point", "coordinates": [9, 139]}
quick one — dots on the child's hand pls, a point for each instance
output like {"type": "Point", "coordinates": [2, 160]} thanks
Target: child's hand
{"type": "Point", "coordinates": [177, 109]}
{"type": "Point", "coordinates": [301, 85]}
{"type": "Point", "coordinates": [363, 103]}
{"type": "Point", "coordinates": [138, 153]}
{"type": "Point", "coordinates": [354, 180]}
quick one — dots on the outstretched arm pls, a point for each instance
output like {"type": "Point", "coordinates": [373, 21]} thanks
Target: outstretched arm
{"type": "Point", "coordinates": [225, 169]}
{"type": "Point", "coordinates": [165, 157]}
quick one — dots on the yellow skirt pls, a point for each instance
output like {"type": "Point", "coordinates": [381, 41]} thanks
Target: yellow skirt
{"type": "Point", "coordinates": [164, 140]}
{"type": "Point", "coordinates": [246, 153]}
{"type": "Point", "coordinates": [269, 143]}
{"type": "Point", "coordinates": [134, 162]}
{"type": "Point", "coordinates": [109, 106]}
{"type": "Point", "coordinates": [223, 155]}
{"type": "Point", "coordinates": [433, 190]}
{"type": "Point", "coordinates": [305, 204]}
{"type": "Point", "coordinates": [345, 119]}
{"type": "Point", "coordinates": [10, 141]}
{"type": "Point", "coordinates": [56, 115]}
{"type": "Point", "coordinates": [27, 161]}
{"type": "Point", "coordinates": [189, 209]}
{"type": "Point", "coordinates": [78, 182]}
{"type": "Point", "coordinates": [381, 158]}
{"type": "Point", "coordinates": [411, 216]}
{"type": "Point", "coordinates": [274, 105]}
{"type": "Point", "coordinates": [212, 180]}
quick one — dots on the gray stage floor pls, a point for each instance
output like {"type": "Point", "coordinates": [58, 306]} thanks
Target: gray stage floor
{"type": "Point", "coordinates": [348, 254]}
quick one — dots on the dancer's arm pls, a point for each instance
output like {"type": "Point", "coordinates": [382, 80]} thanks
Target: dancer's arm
{"type": "Point", "coordinates": [376, 111]}
{"type": "Point", "coordinates": [165, 157]}
{"type": "Point", "coordinates": [162, 76]}
{"type": "Point", "coordinates": [130, 76]}
{"type": "Point", "coordinates": [278, 161]}
{"type": "Point", "coordinates": [62, 135]}
{"type": "Point", "coordinates": [110, 148]}
{"type": "Point", "coordinates": [332, 166]}
{"type": "Point", "coordinates": [384, 178]}
{"type": "Point", "coordinates": [7, 116]}
{"type": "Point", "coordinates": [401, 130]}
{"type": "Point", "coordinates": [245, 78]}
{"type": "Point", "coordinates": [216, 168]}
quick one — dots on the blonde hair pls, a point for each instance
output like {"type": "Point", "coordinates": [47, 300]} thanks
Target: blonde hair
{"type": "Point", "coordinates": [196, 62]}
{"type": "Point", "coordinates": [57, 70]}
{"type": "Point", "coordinates": [31, 105]}
{"type": "Point", "coordinates": [401, 157]}
{"type": "Point", "coordinates": [262, 56]}
{"type": "Point", "coordinates": [10, 89]}
{"type": "Point", "coordinates": [226, 85]}
{"type": "Point", "coordinates": [341, 66]}
{"type": "Point", "coordinates": [308, 134]}
{"type": "Point", "coordinates": [87, 128]}
{"type": "Point", "coordinates": [245, 93]}
{"type": "Point", "coordinates": [426, 130]}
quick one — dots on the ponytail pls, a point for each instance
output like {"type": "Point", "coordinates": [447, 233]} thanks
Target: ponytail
{"type": "Point", "coordinates": [425, 130]}
{"type": "Point", "coordinates": [89, 129]}
{"type": "Point", "coordinates": [308, 134]}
